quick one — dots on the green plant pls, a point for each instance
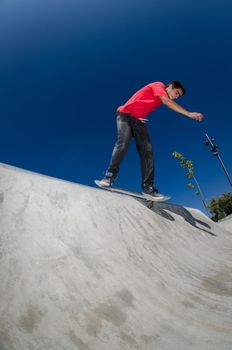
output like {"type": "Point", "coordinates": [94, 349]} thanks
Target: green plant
{"type": "Point", "coordinates": [189, 166]}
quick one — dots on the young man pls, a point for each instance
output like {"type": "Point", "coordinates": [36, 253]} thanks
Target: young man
{"type": "Point", "coordinates": [131, 122]}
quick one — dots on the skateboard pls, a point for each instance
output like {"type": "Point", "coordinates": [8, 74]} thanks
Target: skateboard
{"type": "Point", "coordinates": [131, 193]}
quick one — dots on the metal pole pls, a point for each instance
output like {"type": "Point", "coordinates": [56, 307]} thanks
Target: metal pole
{"type": "Point", "coordinates": [201, 194]}
{"type": "Point", "coordinates": [216, 154]}
{"type": "Point", "coordinates": [225, 170]}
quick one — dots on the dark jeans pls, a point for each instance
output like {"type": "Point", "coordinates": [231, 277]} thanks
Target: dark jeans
{"type": "Point", "coordinates": [129, 127]}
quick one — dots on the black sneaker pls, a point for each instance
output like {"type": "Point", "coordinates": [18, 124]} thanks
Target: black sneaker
{"type": "Point", "coordinates": [153, 193]}
{"type": "Point", "coordinates": [106, 181]}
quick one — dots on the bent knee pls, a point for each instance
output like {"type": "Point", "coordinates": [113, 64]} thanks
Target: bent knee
{"type": "Point", "coordinates": [149, 147]}
{"type": "Point", "coordinates": [120, 145]}
{"type": "Point", "coordinates": [146, 148]}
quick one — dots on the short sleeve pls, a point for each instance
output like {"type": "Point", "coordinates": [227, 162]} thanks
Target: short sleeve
{"type": "Point", "coordinates": [159, 89]}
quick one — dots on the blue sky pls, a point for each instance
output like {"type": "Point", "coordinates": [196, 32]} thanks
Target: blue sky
{"type": "Point", "coordinates": [65, 66]}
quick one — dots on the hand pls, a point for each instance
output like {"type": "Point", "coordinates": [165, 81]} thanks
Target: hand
{"type": "Point", "coordinates": [196, 116]}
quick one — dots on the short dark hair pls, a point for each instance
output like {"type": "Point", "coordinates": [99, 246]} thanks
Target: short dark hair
{"type": "Point", "coordinates": [176, 85]}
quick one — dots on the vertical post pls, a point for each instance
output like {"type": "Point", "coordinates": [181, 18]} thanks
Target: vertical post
{"type": "Point", "coordinates": [216, 154]}
{"type": "Point", "coordinates": [201, 194]}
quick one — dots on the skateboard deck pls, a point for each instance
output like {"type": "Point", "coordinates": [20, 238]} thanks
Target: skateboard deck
{"type": "Point", "coordinates": [131, 193]}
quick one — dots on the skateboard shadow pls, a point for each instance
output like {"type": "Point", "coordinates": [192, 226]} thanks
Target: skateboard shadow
{"type": "Point", "coordinates": [160, 209]}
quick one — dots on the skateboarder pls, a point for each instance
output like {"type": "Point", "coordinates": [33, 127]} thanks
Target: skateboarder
{"type": "Point", "coordinates": [131, 122]}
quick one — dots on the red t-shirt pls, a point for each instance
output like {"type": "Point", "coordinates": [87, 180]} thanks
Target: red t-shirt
{"type": "Point", "coordinates": [144, 101]}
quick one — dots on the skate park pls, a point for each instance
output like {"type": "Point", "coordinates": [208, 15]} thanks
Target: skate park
{"type": "Point", "coordinates": [83, 268]}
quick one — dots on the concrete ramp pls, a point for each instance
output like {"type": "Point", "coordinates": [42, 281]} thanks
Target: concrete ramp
{"type": "Point", "coordinates": [82, 268]}
{"type": "Point", "coordinates": [226, 223]}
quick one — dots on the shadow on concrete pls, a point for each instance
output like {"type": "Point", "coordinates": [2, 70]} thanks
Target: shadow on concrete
{"type": "Point", "coordinates": [160, 209]}
{"type": "Point", "coordinates": [1, 200]}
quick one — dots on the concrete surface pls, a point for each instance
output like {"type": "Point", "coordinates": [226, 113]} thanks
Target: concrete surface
{"type": "Point", "coordinates": [226, 223]}
{"type": "Point", "coordinates": [82, 268]}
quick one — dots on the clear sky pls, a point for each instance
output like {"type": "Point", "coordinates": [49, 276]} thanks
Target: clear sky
{"type": "Point", "coordinates": [65, 66]}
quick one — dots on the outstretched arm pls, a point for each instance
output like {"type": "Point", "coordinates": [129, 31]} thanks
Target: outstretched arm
{"type": "Point", "coordinates": [177, 108]}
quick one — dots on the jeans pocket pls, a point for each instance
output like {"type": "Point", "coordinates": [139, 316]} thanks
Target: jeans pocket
{"type": "Point", "coordinates": [122, 118]}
